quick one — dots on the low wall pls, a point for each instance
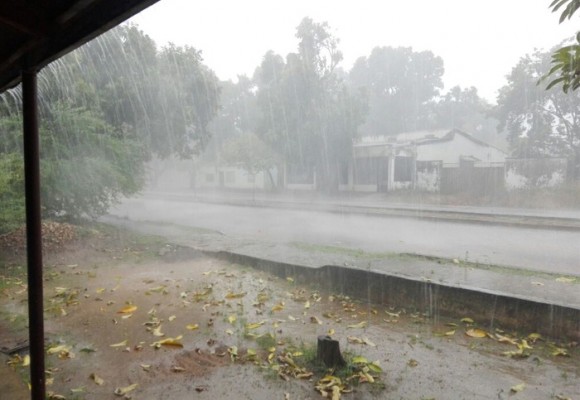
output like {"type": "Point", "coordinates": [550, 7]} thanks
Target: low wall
{"type": "Point", "coordinates": [436, 300]}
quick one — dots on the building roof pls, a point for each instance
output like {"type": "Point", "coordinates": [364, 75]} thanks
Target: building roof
{"type": "Point", "coordinates": [417, 138]}
{"type": "Point", "coordinates": [34, 33]}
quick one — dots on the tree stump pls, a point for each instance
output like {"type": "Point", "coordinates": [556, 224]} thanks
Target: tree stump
{"type": "Point", "coordinates": [328, 352]}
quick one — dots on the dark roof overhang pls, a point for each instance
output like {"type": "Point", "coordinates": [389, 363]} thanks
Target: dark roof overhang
{"type": "Point", "coordinates": [34, 33]}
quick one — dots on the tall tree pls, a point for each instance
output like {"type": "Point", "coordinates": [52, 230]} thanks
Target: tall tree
{"type": "Point", "coordinates": [308, 114]}
{"type": "Point", "coordinates": [400, 84]}
{"type": "Point", "coordinates": [463, 109]}
{"type": "Point", "coordinates": [188, 100]}
{"type": "Point", "coordinates": [539, 122]}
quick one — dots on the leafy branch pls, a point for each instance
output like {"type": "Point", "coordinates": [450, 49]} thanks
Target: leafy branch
{"type": "Point", "coordinates": [566, 60]}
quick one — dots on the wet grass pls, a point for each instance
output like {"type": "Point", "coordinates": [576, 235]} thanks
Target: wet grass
{"type": "Point", "coordinates": [186, 229]}
{"type": "Point", "coordinates": [360, 254]}
{"type": "Point", "coordinates": [345, 251]}
{"type": "Point", "coordinates": [515, 271]}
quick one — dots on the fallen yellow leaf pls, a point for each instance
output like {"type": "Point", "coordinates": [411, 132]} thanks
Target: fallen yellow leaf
{"type": "Point", "coordinates": [157, 332]}
{"type": "Point", "coordinates": [58, 349]}
{"type": "Point", "coordinates": [120, 344]}
{"type": "Point", "coordinates": [361, 324]}
{"type": "Point", "coordinates": [174, 342]}
{"type": "Point", "coordinates": [98, 380]}
{"type": "Point", "coordinates": [192, 327]}
{"type": "Point", "coordinates": [506, 339]}
{"type": "Point", "coordinates": [125, 390]}
{"type": "Point", "coordinates": [476, 333]}
{"type": "Point", "coordinates": [359, 360]}
{"type": "Point", "coordinates": [254, 325]}
{"type": "Point", "coordinates": [335, 393]}
{"type": "Point", "coordinates": [127, 309]}
{"type": "Point", "coordinates": [532, 337]}
{"type": "Point", "coordinates": [354, 339]}
{"type": "Point", "coordinates": [559, 352]}
{"type": "Point", "coordinates": [232, 295]}
{"type": "Point", "coordinates": [518, 388]}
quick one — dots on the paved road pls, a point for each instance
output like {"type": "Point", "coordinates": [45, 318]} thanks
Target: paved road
{"type": "Point", "coordinates": [545, 249]}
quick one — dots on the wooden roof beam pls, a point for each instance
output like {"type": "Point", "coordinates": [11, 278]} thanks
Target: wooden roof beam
{"type": "Point", "coordinates": [24, 19]}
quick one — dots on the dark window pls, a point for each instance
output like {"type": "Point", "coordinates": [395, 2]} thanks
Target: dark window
{"type": "Point", "coordinates": [403, 169]}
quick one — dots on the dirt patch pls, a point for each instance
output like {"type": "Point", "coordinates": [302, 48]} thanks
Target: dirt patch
{"type": "Point", "coordinates": [111, 303]}
{"type": "Point", "coordinates": [55, 236]}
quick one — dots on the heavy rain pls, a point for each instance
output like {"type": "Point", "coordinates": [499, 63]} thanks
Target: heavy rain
{"type": "Point", "coordinates": [303, 201]}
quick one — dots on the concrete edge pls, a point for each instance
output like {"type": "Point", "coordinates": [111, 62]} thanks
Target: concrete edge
{"type": "Point", "coordinates": [489, 309]}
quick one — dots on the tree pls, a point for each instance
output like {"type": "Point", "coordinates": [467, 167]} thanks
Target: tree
{"type": "Point", "coordinates": [463, 109]}
{"type": "Point", "coordinates": [188, 100]}
{"type": "Point", "coordinates": [106, 108]}
{"type": "Point", "coordinates": [540, 123]}
{"type": "Point", "coordinates": [237, 114]}
{"type": "Point", "coordinates": [247, 152]}
{"type": "Point", "coordinates": [565, 60]}
{"type": "Point", "coordinates": [400, 84]}
{"type": "Point", "coordinates": [308, 114]}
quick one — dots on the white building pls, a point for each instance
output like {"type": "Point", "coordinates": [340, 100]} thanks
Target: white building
{"type": "Point", "coordinates": [416, 160]}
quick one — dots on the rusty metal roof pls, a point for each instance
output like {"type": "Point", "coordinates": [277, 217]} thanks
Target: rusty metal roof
{"type": "Point", "coordinates": [35, 32]}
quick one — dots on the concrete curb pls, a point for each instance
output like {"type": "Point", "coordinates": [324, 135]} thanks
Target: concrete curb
{"type": "Point", "coordinates": [489, 309]}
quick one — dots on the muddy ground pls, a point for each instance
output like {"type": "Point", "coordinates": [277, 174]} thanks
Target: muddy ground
{"type": "Point", "coordinates": [111, 296]}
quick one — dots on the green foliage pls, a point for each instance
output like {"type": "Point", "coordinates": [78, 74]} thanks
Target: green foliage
{"type": "Point", "coordinates": [11, 192]}
{"type": "Point", "coordinates": [539, 123]}
{"type": "Point", "coordinates": [105, 110]}
{"type": "Point", "coordinates": [248, 152]}
{"type": "Point", "coordinates": [86, 165]}
{"type": "Point", "coordinates": [568, 11]}
{"type": "Point", "coordinates": [565, 60]}
{"type": "Point", "coordinates": [188, 96]}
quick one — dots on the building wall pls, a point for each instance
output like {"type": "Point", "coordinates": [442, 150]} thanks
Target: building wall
{"type": "Point", "coordinates": [450, 152]}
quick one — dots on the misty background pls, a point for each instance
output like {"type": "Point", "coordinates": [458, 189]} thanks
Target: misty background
{"type": "Point", "coordinates": [123, 112]}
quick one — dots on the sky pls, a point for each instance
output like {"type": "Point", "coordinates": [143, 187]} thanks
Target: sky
{"type": "Point", "coordinates": [479, 41]}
